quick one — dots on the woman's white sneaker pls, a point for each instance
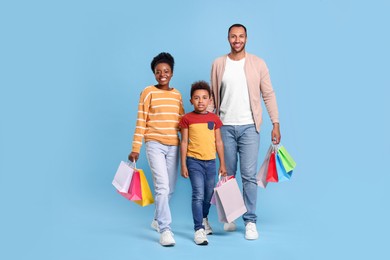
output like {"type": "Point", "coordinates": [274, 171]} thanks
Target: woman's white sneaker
{"type": "Point", "coordinates": [154, 225]}
{"type": "Point", "coordinates": [251, 231]}
{"type": "Point", "coordinates": [166, 238]}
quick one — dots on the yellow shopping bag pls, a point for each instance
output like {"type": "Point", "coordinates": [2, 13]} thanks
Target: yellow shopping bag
{"type": "Point", "coordinates": [147, 197]}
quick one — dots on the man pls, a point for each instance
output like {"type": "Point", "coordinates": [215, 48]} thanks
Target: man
{"type": "Point", "coordinates": [238, 81]}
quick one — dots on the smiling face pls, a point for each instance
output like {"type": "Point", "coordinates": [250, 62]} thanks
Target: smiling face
{"type": "Point", "coordinates": [237, 39]}
{"type": "Point", "coordinates": [163, 74]}
{"type": "Point", "coordinates": [200, 100]}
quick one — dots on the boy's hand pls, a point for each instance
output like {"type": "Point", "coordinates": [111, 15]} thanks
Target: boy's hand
{"type": "Point", "coordinates": [184, 172]}
{"type": "Point", "coordinates": [222, 170]}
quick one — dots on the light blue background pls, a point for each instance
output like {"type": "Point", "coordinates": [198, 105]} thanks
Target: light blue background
{"type": "Point", "coordinates": [71, 74]}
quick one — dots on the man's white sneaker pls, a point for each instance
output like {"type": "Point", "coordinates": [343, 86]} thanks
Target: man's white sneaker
{"type": "Point", "coordinates": [251, 231]}
{"type": "Point", "coordinates": [166, 238]}
{"type": "Point", "coordinates": [200, 237]}
{"type": "Point", "coordinates": [229, 226]}
{"type": "Point", "coordinates": [207, 227]}
{"type": "Point", "coordinates": [154, 225]}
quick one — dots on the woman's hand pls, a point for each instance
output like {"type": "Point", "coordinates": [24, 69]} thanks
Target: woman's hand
{"type": "Point", "coordinates": [133, 156]}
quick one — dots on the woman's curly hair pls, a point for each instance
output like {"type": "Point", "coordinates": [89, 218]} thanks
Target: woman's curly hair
{"type": "Point", "coordinates": [163, 57]}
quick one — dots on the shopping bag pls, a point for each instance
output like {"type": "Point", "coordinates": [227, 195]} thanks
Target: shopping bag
{"type": "Point", "coordinates": [287, 161]}
{"type": "Point", "coordinates": [282, 174]}
{"type": "Point", "coordinates": [147, 197]}
{"type": "Point", "coordinates": [123, 175]}
{"type": "Point", "coordinates": [229, 202]}
{"type": "Point", "coordinates": [262, 174]}
{"type": "Point", "coordinates": [135, 192]}
{"type": "Point", "coordinates": [221, 180]}
{"type": "Point", "coordinates": [272, 174]}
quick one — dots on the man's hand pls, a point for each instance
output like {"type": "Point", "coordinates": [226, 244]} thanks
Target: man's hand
{"type": "Point", "coordinates": [275, 134]}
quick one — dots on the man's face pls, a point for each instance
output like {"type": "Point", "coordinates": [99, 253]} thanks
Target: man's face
{"type": "Point", "coordinates": [237, 39]}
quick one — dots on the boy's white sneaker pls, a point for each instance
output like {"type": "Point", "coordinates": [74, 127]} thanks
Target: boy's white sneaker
{"type": "Point", "coordinates": [207, 227]}
{"type": "Point", "coordinates": [229, 226]}
{"type": "Point", "coordinates": [251, 231]}
{"type": "Point", "coordinates": [166, 238]}
{"type": "Point", "coordinates": [154, 225]}
{"type": "Point", "coordinates": [200, 237]}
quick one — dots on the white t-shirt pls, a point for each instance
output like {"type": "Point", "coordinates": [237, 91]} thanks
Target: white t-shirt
{"type": "Point", "coordinates": [235, 107]}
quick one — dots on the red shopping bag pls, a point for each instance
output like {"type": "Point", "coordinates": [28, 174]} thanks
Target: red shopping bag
{"type": "Point", "coordinates": [272, 174]}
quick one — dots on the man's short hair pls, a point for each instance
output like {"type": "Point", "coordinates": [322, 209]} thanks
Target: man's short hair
{"type": "Point", "coordinates": [237, 25]}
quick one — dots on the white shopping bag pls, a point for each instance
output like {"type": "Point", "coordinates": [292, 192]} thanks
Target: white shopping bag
{"type": "Point", "coordinates": [123, 176]}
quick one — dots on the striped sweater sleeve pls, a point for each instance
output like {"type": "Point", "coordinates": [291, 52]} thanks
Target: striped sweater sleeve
{"type": "Point", "coordinates": [140, 128]}
{"type": "Point", "coordinates": [181, 110]}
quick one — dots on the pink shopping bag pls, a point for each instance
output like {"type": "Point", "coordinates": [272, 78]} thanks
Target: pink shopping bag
{"type": "Point", "coordinates": [134, 192]}
{"type": "Point", "coordinates": [219, 183]}
{"type": "Point", "coordinates": [262, 174]}
{"type": "Point", "coordinates": [147, 196]}
{"type": "Point", "coordinates": [229, 201]}
{"type": "Point", "coordinates": [135, 187]}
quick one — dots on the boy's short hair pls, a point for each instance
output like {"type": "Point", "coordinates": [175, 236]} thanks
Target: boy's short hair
{"type": "Point", "coordinates": [201, 84]}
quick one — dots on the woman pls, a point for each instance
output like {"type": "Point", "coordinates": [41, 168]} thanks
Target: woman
{"type": "Point", "coordinates": [160, 109]}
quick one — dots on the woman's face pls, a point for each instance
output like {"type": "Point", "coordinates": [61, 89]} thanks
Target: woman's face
{"type": "Point", "coordinates": [163, 74]}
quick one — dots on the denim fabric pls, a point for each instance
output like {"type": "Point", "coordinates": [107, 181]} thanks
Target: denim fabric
{"type": "Point", "coordinates": [163, 161]}
{"type": "Point", "coordinates": [202, 176]}
{"type": "Point", "coordinates": [243, 140]}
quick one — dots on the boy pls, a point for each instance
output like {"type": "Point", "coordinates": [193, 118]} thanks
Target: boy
{"type": "Point", "coordinates": [201, 139]}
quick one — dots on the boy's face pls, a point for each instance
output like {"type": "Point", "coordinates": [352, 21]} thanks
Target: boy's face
{"type": "Point", "coordinates": [200, 100]}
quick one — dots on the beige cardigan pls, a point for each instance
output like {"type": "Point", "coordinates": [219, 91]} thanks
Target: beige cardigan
{"type": "Point", "coordinates": [259, 85]}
